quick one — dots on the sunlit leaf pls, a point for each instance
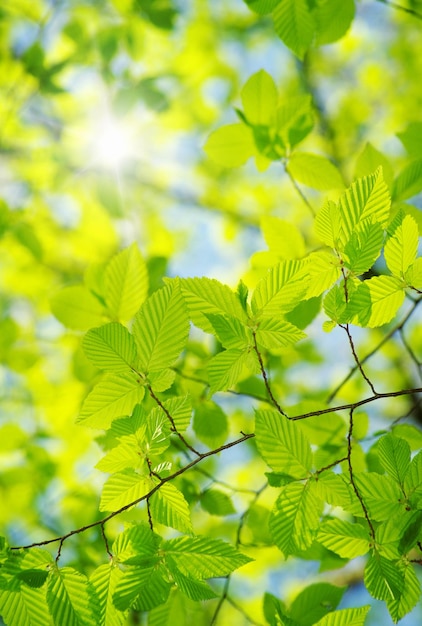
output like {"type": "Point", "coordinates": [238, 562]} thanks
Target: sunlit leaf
{"type": "Point", "coordinates": [169, 507]}
{"type": "Point", "coordinates": [314, 171]}
{"type": "Point", "coordinates": [122, 488]}
{"type": "Point", "coordinates": [346, 539]}
{"type": "Point", "coordinates": [231, 145]}
{"type": "Point", "coordinates": [281, 289]}
{"type": "Point", "coordinates": [76, 307]}
{"type": "Point", "coordinates": [104, 580]}
{"type": "Point", "coordinates": [110, 347]}
{"type": "Point", "coordinates": [383, 578]}
{"type": "Point", "coordinates": [394, 455]}
{"type": "Point", "coordinates": [126, 283]}
{"type": "Point", "coordinates": [71, 599]}
{"type": "Point", "coordinates": [259, 98]}
{"type": "Point", "coordinates": [401, 248]}
{"type": "Point", "coordinates": [345, 617]}
{"type": "Point", "coordinates": [294, 24]}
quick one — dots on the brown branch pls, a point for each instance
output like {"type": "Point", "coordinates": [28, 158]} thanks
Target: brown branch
{"type": "Point", "coordinates": [102, 521]}
{"type": "Point", "coordinates": [384, 340]}
{"type": "Point", "coordinates": [171, 420]}
{"type": "Point", "coordinates": [104, 536]}
{"type": "Point", "coordinates": [355, 356]}
{"type": "Point", "coordinates": [265, 377]}
{"type": "Point", "coordinates": [352, 478]}
{"type": "Point", "coordinates": [327, 467]}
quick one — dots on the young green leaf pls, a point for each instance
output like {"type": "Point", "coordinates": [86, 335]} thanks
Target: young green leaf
{"type": "Point", "coordinates": [381, 495]}
{"type": "Point", "coordinates": [226, 368]}
{"type": "Point", "coordinates": [217, 502]}
{"type": "Point", "coordinates": [231, 145]}
{"type": "Point", "coordinates": [259, 99]}
{"type": "Point", "coordinates": [110, 347]}
{"type": "Point", "coordinates": [161, 328]}
{"type": "Point", "coordinates": [136, 541]}
{"type": "Point", "coordinates": [281, 289]}
{"type": "Point", "coordinates": [275, 335]}
{"type": "Point", "coordinates": [295, 518]}
{"type": "Point", "coordinates": [203, 557]}
{"type": "Point", "coordinates": [104, 580]}
{"type": "Point", "coordinates": [169, 507]}
{"type": "Point", "coordinates": [262, 7]}
{"type": "Point", "coordinates": [413, 478]}
{"type": "Point", "coordinates": [327, 224]}
{"type": "Point", "coordinates": [409, 182]}
{"type": "Point", "coordinates": [383, 578]}
{"type": "Point", "coordinates": [345, 617]}
{"type": "Point", "coordinates": [363, 247]}
{"type": "Point", "coordinates": [367, 199]}
{"type": "Point", "coordinates": [401, 248]}
{"type": "Point", "coordinates": [344, 538]}
{"type": "Point", "coordinates": [71, 599]}
{"type": "Point", "coordinates": [125, 455]}
{"type": "Point", "coordinates": [210, 424]}
{"type": "Point", "coordinates": [394, 455]}
{"type": "Point", "coordinates": [333, 19]}
{"type": "Point", "coordinates": [282, 444]}
{"type": "Point", "coordinates": [323, 271]}
{"type": "Point", "coordinates": [369, 160]}
{"type": "Point", "coordinates": [230, 331]}
{"type": "Point", "coordinates": [194, 589]}
{"type": "Point", "coordinates": [376, 301]}
{"type": "Point", "coordinates": [122, 488]}
{"type": "Point", "coordinates": [314, 171]}
{"type": "Point", "coordinates": [283, 238]}
{"type": "Point", "coordinates": [126, 283]}
{"type": "Point", "coordinates": [410, 593]}
{"type": "Point", "coordinates": [208, 296]}
{"type": "Point", "coordinates": [294, 24]}
{"type": "Point", "coordinates": [145, 584]}
{"type": "Point", "coordinates": [114, 396]}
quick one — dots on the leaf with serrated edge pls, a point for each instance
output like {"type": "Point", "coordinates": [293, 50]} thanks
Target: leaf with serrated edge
{"type": "Point", "coordinates": [126, 283]}
{"type": "Point", "coordinates": [169, 507]}
{"type": "Point", "coordinates": [259, 98]}
{"type": "Point", "coordinates": [122, 488]}
{"type": "Point", "coordinates": [345, 617]}
{"type": "Point", "coordinates": [281, 289]}
{"type": "Point", "coordinates": [110, 347]}
{"type": "Point", "coordinates": [294, 24]}
{"type": "Point", "coordinates": [206, 295]}
{"type": "Point", "coordinates": [114, 397]}
{"type": "Point", "coordinates": [323, 271]}
{"type": "Point", "coordinates": [381, 495]}
{"type": "Point", "coordinates": [76, 307]}
{"type": "Point", "coordinates": [137, 540]}
{"type": "Point", "coordinates": [203, 557]}
{"type": "Point", "coordinates": [161, 329]}
{"type": "Point", "coordinates": [383, 578]}
{"type": "Point", "coordinates": [282, 444]}
{"type": "Point", "coordinates": [230, 331]}
{"type": "Point", "coordinates": [227, 367]}
{"type": "Point", "coordinates": [394, 455]}
{"type": "Point", "coordinates": [363, 247]}
{"type": "Point", "coordinates": [71, 599]}
{"type": "Point", "coordinates": [376, 301]}
{"type": "Point", "coordinates": [344, 538]}
{"type": "Point", "coordinates": [275, 335]}
{"type": "Point", "coordinates": [315, 601]}
{"type": "Point", "coordinates": [401, 248]}
{"type": "Point", "coordinates": [410, 595]}
{"type": "Point", "coordinates": [315, 171]}
{"type": "Point", "coordinates": [104, 580]}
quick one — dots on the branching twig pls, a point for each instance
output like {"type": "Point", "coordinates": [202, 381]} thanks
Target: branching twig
{"type": "Point", "coordinates": [167, 479]}
{"type": "Point", "coordinates": [384, 340]}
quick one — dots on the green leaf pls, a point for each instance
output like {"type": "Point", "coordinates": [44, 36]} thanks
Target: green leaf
{"type": "Point", "coordinates": [344, 538]}
{"type": "Point", "coordinates": [179, 407]}
{"type": "Point", "coordinates": [226, 368]}
{"type": "Point", "coordinates": [194, 589]}
{"type": "Point", "coordinates": [71, 599]}
{"type": "Point", "coordinates": [332, 488]}
{"type": "Point", "coordinates": [178, 609]}
{"type": "Point", "coordinates": [401, 248]}
{"type": "Point", "coordinates": [376, 301]}
{"type": "Point", "coordinates": [141, 584]}
{"type": "Point", "coordinates": [110, 347]}
{"type": "Point", "coordinates": [104, 580]}
{"type": "Point", "coordinates": [294, 121]}
{"type": "Point", "coordinates": [383, 578]}
{"type": "Point", "coordinates": [125, 455]}
{"type": "Point", "coordinates": [122, 488]}
{"type": "Point", "coordinates": [314, 602]}
{"type": "Point", "coordinates": [216, 502]}
{"type": "Point", "coordinates": [409, 182]}
{"type": "Point", "coordinates": [367, 199]}
{"type": "Point", "coordinates": [345, 617]}
{"type": "Point", "coordinates": [259, 98]}
{"type": "Point", "coordinates": [169, 507]}
{"type": "Point", "coordinates": [282, 444]}
{"type": "Point", "coordinates": [230, 331]}
{"type": "Point", "coordinates": [364, 247]}
{"type": "Point", "coordinates": [411, 533]}
{"type": "Point", "coordinates": [335, 305]}
{"type": "Point", "coordinates": [413, 276]}
{"type": "Point", "coordinates": [394, 455]}
{"type": "Point", "coordinates": [295, 518]}
{"type": "Point", "coordinates": [76, 307]}
{"type": "Point", "coordinates": [327, 224]}
{"type": "Point", "coordinates": [208, 296]}
{"type": "Point", "coordinates": [380, 494]}
{"type": "Point", "coordinates": [210, 424]}
{"type": "Point", "coordinates": [275, 335]}
{"type": "Point", "coordinates": [283, 238]}
{"type": "Point", "coordinates": [137, 541]}
{"type": "Point", "coordinates": [323, 271]}
{"type": "Point", "coordinates": [114, 397]}
{"type": "Point", "coordinates": [281, 289]}
{"type": "Point", "coordinates": [315, 171]}
{"type": "Point", "coordinates": [203, 557]}
{"type": "Point", "coordinates": [126, 283]}
{"type": "Point", "coordinates": [333, 19]}
{"type": "Point", "coordinates": [161, 328]}
{"type": "Point", "coordinates": [231, 145]}
{"type": "Point", "coordinates": [410, 594]}
{"type": "Point", "coordinates": [294, 24]}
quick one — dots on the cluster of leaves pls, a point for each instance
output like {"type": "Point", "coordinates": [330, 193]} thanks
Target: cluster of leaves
{"type": "Point", "coordinates": [335, 490]}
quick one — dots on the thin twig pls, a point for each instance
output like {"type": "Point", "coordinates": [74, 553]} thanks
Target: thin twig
{"type": "Point", "coordinates": [355, 356]}
{"type": "Point", "coordinates": [298, 189]}
{"type": "Point", "coordinates": [265, 377]}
